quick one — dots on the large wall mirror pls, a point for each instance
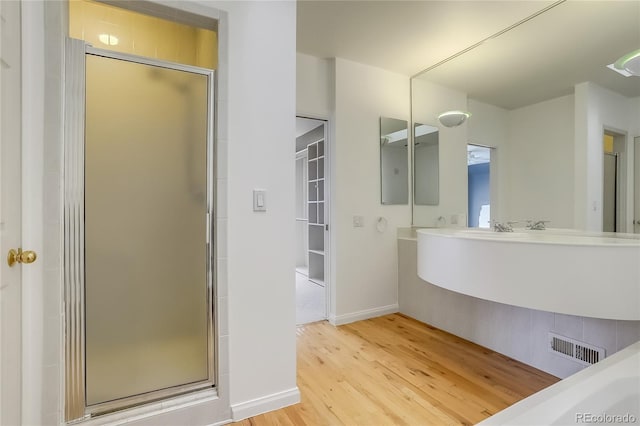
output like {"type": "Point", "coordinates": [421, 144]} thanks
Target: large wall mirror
{"type": "Point", "coordinates": [394, 160]}
{"type": "Point", "coordinates": [544, 97]}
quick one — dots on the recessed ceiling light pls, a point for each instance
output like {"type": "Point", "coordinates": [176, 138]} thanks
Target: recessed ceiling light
{"type": "Point", "coordinates": [629, 63]}
{"type": "Point", "coordinates": [108, 39]}
{"type": "Point", "coordinates": [622, 72]}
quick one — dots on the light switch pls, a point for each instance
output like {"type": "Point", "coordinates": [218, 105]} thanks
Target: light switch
{"type": "Point", "coordinates": [259, 200]}
{"type": "Point", "coordinates": [358, 221]}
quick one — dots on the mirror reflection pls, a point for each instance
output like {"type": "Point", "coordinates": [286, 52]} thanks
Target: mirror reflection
{"type": "Point", "coordinates": [479, 184]}
{"type": "Point", "coordinates": [394, 170]}
{"type": "Point", "coordinates": [426, 165]}
{"type": "Point", "coordinates": [545, 118]}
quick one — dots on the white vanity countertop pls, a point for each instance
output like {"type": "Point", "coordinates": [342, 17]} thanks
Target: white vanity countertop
{"type": "Point", "coordinates": [409, 233]}
{"type": "Point", "coordinates": [548, 236]}
{"type": "Point", "coordinates": [570, 272]}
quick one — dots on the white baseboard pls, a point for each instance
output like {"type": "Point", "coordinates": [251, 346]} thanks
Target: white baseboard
{"type": "Point", "coordinates": [267, 403]}
{"type": "Point", "coordinates": [363, 315]}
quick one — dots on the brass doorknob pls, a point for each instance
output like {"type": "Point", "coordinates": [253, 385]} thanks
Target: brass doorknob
{"type": "Point", "coordinates": [19, 256]}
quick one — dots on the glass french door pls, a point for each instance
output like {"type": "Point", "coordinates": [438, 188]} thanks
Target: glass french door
{"type": "Point", "coordinates": [141, 248]}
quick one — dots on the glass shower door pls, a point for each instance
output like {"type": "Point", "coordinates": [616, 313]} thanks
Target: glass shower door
{"type": "Point", "coordinates": [147, 231]}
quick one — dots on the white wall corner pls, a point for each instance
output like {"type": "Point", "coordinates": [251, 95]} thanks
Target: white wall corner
{"type": "Point", "coordinates": [257, 406]}
{"type": "Point", "coordinates": [363, 315]}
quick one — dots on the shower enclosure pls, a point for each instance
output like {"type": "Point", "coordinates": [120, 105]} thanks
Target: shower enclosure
{"type": "Point", "coordinates": [138, 230]}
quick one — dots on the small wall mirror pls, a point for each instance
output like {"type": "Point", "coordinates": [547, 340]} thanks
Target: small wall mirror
{"type": "Point", "coordinates": [394, 163]}
{"type": "Point", "coordinates": [426, 169]}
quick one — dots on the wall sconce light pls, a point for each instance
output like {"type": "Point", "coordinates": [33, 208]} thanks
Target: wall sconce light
{"type": "Point", "coordinates": [453, 118]}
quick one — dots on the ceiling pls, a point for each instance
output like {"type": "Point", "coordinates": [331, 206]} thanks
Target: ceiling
{"type": "Point", "coordinates": [305, 125]}
{"type": "Point", "coordinates": [540, 59]}
{"type": "Point", "coordinates": [402, 36]}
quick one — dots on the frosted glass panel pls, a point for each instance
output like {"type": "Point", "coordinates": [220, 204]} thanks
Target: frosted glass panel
{"type": "Point", "coordinates": [145, 229]}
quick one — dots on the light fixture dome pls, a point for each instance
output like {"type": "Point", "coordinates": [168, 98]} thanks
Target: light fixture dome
{"type": "Point", "coordinates": [630, 63]}
{"type": "Point", "coordinates": [453, 118]}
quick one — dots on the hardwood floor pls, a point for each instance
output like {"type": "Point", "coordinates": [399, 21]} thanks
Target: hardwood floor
{"type": "Point", "coordinates": [394, 370]}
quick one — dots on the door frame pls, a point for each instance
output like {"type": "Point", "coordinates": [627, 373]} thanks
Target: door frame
{"type": "Point", "coordinates": [302, 156]}
{"type": "Point", "coordinates": [493, 183]}
{"type": "Point", "coordinates": [623, 147]}
{"type": "Point", "coordinates": [74, 299]}
{"type": "Point", "coordinates": [635, 221]}
{"type": "Point", "coordinates": [329, 235]}
{"type": "Point", "coordinates": [616, 189]}
{"type": "Point", "coordinates": [11, 285]}
{"type": "Point", "coordinates": [27, 342]}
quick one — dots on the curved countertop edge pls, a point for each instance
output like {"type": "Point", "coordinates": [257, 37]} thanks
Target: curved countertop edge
{"type": "Point", "coordinates": [548, 236]}
{"type": "Point", "coordinates": [546, 277]}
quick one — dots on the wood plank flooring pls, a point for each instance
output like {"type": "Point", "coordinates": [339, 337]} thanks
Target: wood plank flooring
{"type": "Point", "coordinates": [394, 370]}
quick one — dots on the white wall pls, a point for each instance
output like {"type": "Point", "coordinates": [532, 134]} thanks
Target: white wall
{"type": "Point", "coordinates": [255, 305]}
{"type": "Point", "coordinates": [365, 259]}
{"type": "Point", "coordinates": [429, 101]}
{"type": "Point", "coordinates": [540, 163]}
{"type": "Point", "coordinates": [314, 86]}
{"type": "Point", "coordinates": [426, 173]}
{"type": "Point", "coordinates": [395, 173]}
{"type": "Point", "coordinates": [261, 143]}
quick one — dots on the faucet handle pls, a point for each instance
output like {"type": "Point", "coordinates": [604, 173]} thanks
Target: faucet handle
{"type": "Point", "coordinates": [538, 225]}
{"type": "Point", "coordinates": [503, 227]}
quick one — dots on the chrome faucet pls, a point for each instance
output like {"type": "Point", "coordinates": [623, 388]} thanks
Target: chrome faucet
{"type": "Point", "coordinates": [537, 225]}
{"type": "Point", "coordinates": [503, 227]}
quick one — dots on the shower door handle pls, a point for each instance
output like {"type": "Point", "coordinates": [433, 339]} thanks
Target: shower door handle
{"type": "Point", "coordinates": [19, 256]}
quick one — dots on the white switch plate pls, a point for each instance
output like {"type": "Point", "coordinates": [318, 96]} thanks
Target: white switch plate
{"type": "Point", "coordinates": [259, 200]}
{"type": "Point", "coordinates": [358, 221]}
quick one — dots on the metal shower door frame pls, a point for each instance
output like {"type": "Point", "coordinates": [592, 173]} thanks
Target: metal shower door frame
{"type": "Point", "coordinates": [73, 236]}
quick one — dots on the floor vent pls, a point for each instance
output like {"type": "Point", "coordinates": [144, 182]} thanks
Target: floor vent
{"type": "Point", "coordinates": [575, 350]}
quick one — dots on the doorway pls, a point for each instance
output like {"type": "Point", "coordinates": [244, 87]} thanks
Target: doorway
{"type": "Point", "coordinates": [138, 230]}
{"type": "Point", "coordinates": [636, 186]}
{"type": "Point", "coordinates": [614, 182]}
{"type": "Point", "coordinates": [479, 184]}
{"type": "Point", "coordinates": [312, 184]}
{"type": "Point", "coordinates": [610, 192]}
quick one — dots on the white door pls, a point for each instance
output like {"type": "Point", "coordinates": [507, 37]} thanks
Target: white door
{"type": "Point", "coordinates": [10, 214]}
{"type": "Point", "coordinates": [636, 186]}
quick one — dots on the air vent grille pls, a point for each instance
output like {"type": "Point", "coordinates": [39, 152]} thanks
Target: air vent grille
{"type": "Point", "coordinates": [575, 350]}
